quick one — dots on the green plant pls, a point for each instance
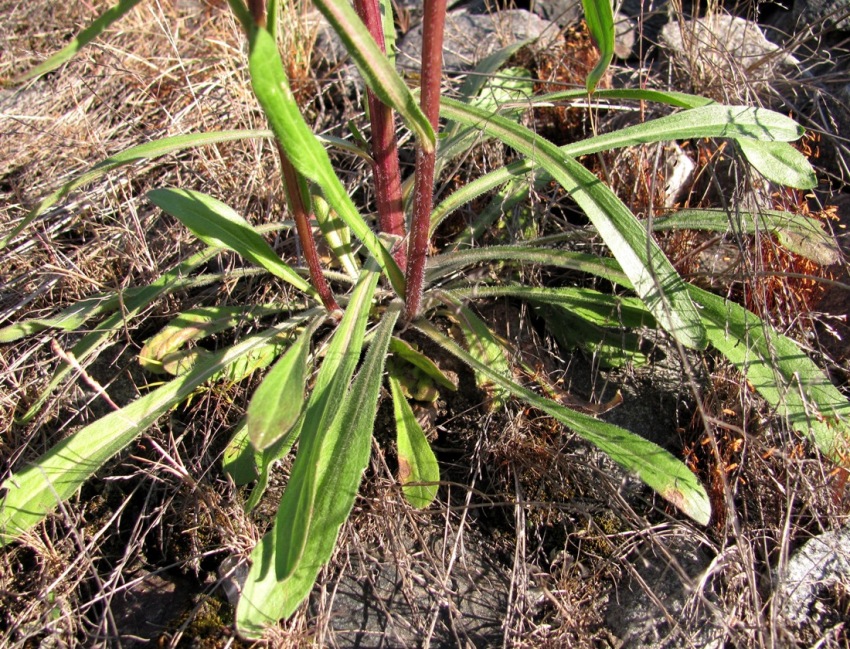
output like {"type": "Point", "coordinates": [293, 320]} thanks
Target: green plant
{"type": "Point", "coordinates": [330, 345]}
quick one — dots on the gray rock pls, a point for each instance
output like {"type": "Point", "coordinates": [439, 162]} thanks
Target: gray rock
{"type": "Point", "coordinates": [726, 47]}
{"type": "Point", "coordinates": [397, 599]}
{"type": "Point", "coordinates": [652, 614]}
{"type": "Point", "coordinates": [562, 12]}
{"type": "Point", "coordinates": [821, 564]}
{"type": "Point", "coordinates": [471, 37]}
{"type": "Point", "coordinates": [825, 13]}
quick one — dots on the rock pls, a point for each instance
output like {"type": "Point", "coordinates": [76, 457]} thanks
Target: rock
{"type": "Point", "coordinates": [811, 586]}
{"type": "Point", "coordinates": [471, 37]}
{"type": "Point", "coordinates": [640, 614]}
{"type": "Point", "coordinates": [150, 606]}
{"type": "Point", "coordinates": [821, 14]}
{"type": "Point", "coordinates": [726, 50]}
{"type": "Point", "coordinates": [562, 12]}
{"type": "Point", "coordinates": [388, 598]}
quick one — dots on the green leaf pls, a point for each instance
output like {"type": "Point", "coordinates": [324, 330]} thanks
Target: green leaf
{"type": "Point", "coordinates": [377, 71]}
{"type": "Point", "coordinates": [609, 347]}
{"type": "Point", "coordinates": [780, 372]}
{"type": "Point", "coordinates": [37, 489]}
{"type": "Point", "coordinates": [668, 97]}
{"type": "Point", "coordinates": [442, 266]}
{"type": "Point", "coordinates": [600, 23]}
{"type": "Point", "coordinates": [304, 150]}
{"type": "Point", "coordinates": [664, 473]}
{"type": "Point", "coordinates": [239, 459]}
{"type": "Point", "coordinates": [297, 505]}
{"type": "Point", "coordinates": [194, 325]}
{"type": "Point", "coordinates": [218, 225]}
{"type": "Point", "coordinates": [339, 456]}
{"type": "Point", "coordinates": [418, 471]}
{"type": "Point", "coordinates": [798, 233]}
{"type": "Point", "coordinates": [277, 403]}
{"type": "Point", "coordinates": [713, 120]}
{"type": "Point", "coordinates": [650, 272]}
{"type": "Point", "coordinates": [485, 347]}
{"type": "Point", "coordinates": [601, 309]}
{"type": "Point", "coordinates": [85, 37]}
{"type": "Point", "coordinates": [337, 235]}
{"type": "Point", "coordinates": [405, 351]}
{"type": "Point", "coordinates": [780, 163]}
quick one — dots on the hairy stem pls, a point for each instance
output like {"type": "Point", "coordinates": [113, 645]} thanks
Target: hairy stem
{"type": "Point", "coordinates": [433, 20]}
{"type": "Point", "coordinates": [298, 206]}
{"type": "Point", "coordinates": [384, 143]}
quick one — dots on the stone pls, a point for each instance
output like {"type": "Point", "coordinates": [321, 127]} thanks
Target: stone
{"type": "Point", "coordinates": [821, 14]}
{"type": "Point", "coordinates": [819, 566]}
{"type": "Point", "coordinates": [727, 50]}
{"type": "Point", "coordinates": [471, 37]}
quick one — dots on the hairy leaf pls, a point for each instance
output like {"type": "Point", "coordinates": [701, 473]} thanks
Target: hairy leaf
{"type": "Point", "coordinates": [418, 471]}
{"type": "Point", "coordinates": [667, 475]}
{"type": "Point", "coordinates": [216, 224]}
{"type": "Point", "coordinates": [338, 457]}
{"type": "Point", "coordinates": [37, 489]}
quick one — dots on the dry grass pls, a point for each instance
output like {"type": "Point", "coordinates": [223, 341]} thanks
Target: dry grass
{"type": "Point", "coordinates": [535, 532]}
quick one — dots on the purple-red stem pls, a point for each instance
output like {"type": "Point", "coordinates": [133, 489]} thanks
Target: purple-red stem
{"type": "Point", "coordinates": [297, 206]}
{"type": "Point", "coordinates": [384, 143]}
{"type": "Point", "coordinates": [296, 200]}
{"type": "Point", "coordinates": [433, 20]}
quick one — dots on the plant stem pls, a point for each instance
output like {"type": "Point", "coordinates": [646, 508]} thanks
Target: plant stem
{"type": "Point", "coordinates": [384, 143]}
{"type": "Point", "coordinates": [296, 199]}
{"type": "Point", "coordinates": [301, 215]}
{"type": "Point", "coordinates": [433, 20]}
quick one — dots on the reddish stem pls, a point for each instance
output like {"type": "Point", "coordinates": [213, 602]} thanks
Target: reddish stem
{"type": "Point", "coordinates": [384, 143]}
{"type": "Point", "coordinates": [433, 20]}
{"type": "Point", "coordinates": [297, 205]}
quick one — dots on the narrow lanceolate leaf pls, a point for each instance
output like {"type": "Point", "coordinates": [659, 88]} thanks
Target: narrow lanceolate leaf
{"type": "Point", "coordinates": [337, 234]}
{"type": "Point", "coordinates": [304, 150]}
{"type": "Point", "coordinates": [239, 459]}
{"type": "Point", "coordinates": [603, 309]}
{"type": "Point", "coordinates": [798, 233]}
{"type": "Point", "coordinates": [376, 69]}
{"type": "Point", "coordinates": [654, 279]}
{"type": "Point", "coordinates": [660, 470]}
{"type": "Point", "coordinates": [216, 224]}
{"type": "Point", "coordinates": [402, 349]}
{"type": "Point", "coordinates": [36, 490]}
{"type": "Point", "coordinates": [277, 403]}
{"type": "Point", "coordinates": [297, 505]}
{"type": "Point", "coordinates": [194, 325]}
{"type": "Point", "coordinates": [340, 455]}
{"type": "Point", "coordinates": [418, 471]}
{"type": "Point", "coordinates": [486, 347]}
{"type": "Point", "coordinates": [600, 23]}
{"type": "Point", "coordinates": [85, 37]}
{"type": "Point", "coordinates": [780, 372]}
{"type": "Point", "coordinates": [779, 162]}
{"type": "Point", "coordinates": [712, 120]}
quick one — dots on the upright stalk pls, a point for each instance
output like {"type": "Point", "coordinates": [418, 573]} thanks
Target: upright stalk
{"type": "Point", "coordinates": [384, 143]}
{"type": "Point", "coordinates": [433, 21]}
{"type": "Point", "coordinates": [297, 198]}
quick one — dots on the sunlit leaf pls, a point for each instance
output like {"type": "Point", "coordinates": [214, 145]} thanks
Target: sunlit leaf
{"type": "Point", "coordinates": [599, 17]}
{"type": "Point", "coordinates": [660, 470]}
{"type": "Point", "coordinates": [338, 456]}
{"type": "Point", "coordinates": [418, 471]}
